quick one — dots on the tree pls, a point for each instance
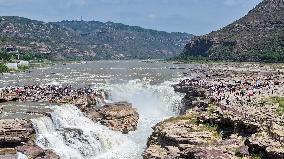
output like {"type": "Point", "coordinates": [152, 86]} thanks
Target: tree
{"type": "Point", "coordinates": [28, 56]}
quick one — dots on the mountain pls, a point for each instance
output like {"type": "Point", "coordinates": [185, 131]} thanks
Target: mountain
{"type": "Point", "coordinates": [258, 36]}
{"type": "Point", "coordinates": [88, 40]}
{"type": "Point", "coordinates": [38, 37]}
{"type": "Point", "coordinates": [129, 41]}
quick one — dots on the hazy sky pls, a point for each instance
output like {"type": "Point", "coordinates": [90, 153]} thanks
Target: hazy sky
{"type": "Point", "coordinates": [192, 16]}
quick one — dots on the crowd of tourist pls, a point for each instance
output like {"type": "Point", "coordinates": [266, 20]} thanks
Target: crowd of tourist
{"type": "Point", "coordinates": [240, 90]}
{"type": "Point", "coordinates": [50, 93]}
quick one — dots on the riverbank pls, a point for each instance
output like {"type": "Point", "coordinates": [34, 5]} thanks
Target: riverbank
{"type": "Point", "coordinates": [72, 132]}
{"type": "Point", "coordinates": [16, 66]}
{"type": "Point", "coordinates": [229, 111]}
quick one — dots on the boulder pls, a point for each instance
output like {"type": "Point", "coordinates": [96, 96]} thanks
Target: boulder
{"type": "Point", "coordinates": [119, 116]}
{"type": "Point", "coordinates": [30, 151]}
{"type": "Point", "coordinates": [35, 152]}
{"type": "Point", "coordinates": [85, 102]}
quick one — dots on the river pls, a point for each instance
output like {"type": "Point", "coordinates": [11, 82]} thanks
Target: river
{"type": "Point", "coordinates": [147, 85]}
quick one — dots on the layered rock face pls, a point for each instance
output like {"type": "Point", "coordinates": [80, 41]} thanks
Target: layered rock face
{"type": "Point", "coordinates": [261, 30]}
{"type": "Point", "coordinates": [195, 97]}
{"type": "Point", "coordinates": [17, 135]}
{"type": "Point", "coordinates": [183, 137]}
{"type": "Point", "coordinates": [119, 116]}
{"type": "Point", "coordinates": [15, 131]}
{"type": "Point", "coordinates": [236, 114]}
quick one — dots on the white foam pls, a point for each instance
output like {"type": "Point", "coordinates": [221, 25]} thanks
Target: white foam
{"type": "Point", "coordinates": [73, 136]}
{"type": "Point", "coordinates": [70, 134]}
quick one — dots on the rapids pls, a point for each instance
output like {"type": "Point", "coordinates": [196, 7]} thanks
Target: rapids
{"type": "Point", "coordinates": [73, 136]}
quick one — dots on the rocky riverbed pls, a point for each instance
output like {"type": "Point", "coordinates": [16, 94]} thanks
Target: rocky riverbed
{"type": "Point", "coordinates": [17, 133]}
{"type": "Point", "coordinates": [229, 111]}
{"type": "Point", "coordinates": [75, 123]}
{"type": "Point", "coordinates": [225, 111]}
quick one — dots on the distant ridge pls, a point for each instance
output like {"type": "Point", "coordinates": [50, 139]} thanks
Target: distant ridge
{"type": "Point", "coordinates": [88, 40]}
{"type": "Point", "coordinates": [258, 36]}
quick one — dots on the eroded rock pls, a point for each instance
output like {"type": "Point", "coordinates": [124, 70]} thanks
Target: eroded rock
{"type": "Point", "coordinates": [15, 131]}
{"type": "Point", "coordinates": [17, 135]}
{"type": "Point", "coordinates": [119, 116]}
{"type": "Point", "coordinates": [183, 137]}
{"type": "Point", "coordinates": [35, 152]}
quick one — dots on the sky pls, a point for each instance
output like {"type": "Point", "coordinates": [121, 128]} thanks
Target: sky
{"type": "Point", "coordinates": [192, 16]}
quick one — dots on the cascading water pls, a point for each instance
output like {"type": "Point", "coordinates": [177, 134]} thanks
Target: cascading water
{"type": "Point", "coordinates": [73, 136]}
{"type": "Point", "coordinates": [153, 102]}
{"type": "Point", "coordinates": [21, 156]}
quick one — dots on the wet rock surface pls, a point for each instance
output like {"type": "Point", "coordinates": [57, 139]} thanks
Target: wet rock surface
{"type": "Point", "coordinates": [119, 116]}
{"type": "Point", "coordinates": [36, 152]}
{"type": "Point", "coordinates": [17, 136]}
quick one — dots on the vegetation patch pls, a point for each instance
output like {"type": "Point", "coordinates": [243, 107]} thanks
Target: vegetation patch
{"type": "Point", "coordinates": [3, 68]}
{"type": "Point", "coordinates": [211, 109]}
{"type": "Point", "coordinates": [191, 118]}
{"type": "Point", "coordinates": [280, 102]}
{"type": "Point", "coordinates": [214, 129]}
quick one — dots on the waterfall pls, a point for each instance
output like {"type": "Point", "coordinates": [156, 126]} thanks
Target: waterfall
{"type": "Point", "coordinates": [73, 136]}
{"type": "Point", "coordinates": [153, 102]}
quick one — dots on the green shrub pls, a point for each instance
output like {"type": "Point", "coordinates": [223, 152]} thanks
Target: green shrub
{"type": "Point", "coordinates": [5, 56]}
{"type": "Point", "coordinates": [3, 68]}
{"type": "Point", "coordinates": [28, 56]}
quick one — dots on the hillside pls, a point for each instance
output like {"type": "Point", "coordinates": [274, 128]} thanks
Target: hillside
{"type": "Point", "coordinates": [88, 40]}
{"type": "Point", "coordinates": [37, 37]}
{"type": "Point", "coordinates": [129, 41]}
{"type": "Point", "coordinates": [258, 36]}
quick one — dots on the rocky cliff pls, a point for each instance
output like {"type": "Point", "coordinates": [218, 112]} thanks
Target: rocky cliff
{"type": "Point", "coordinates": [258, 36]}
